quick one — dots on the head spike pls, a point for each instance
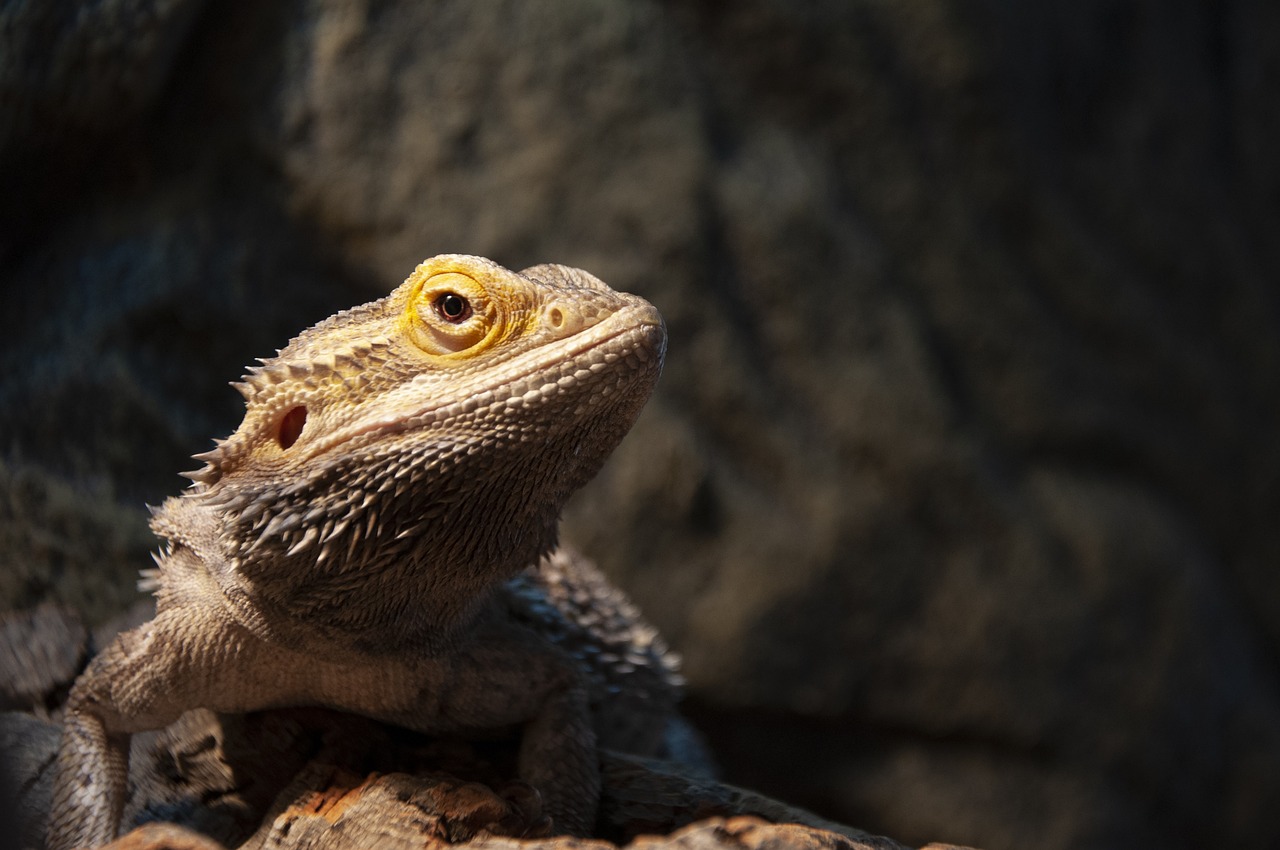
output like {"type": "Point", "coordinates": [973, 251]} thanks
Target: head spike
{"type": "Point", "coordinates": [148, 579]}
{"type": "Point", "coordinates": [204, 475]}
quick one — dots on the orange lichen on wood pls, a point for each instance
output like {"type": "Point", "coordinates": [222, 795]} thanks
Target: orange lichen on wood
{"type": "Point", "coordinates": [337, 796]}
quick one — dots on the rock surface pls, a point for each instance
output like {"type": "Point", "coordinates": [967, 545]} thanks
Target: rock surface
{"type": "Point", "coordinates": [958, 494]}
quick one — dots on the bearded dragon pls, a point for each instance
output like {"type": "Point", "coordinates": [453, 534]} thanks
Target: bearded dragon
{"type": "Point", "coordinates": [365, 540]}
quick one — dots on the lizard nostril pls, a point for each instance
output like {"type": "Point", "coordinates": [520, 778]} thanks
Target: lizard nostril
{"type": "Point", "coordinates": [291, 424]}
{"type": "Point", "coordinates": [564, 319]}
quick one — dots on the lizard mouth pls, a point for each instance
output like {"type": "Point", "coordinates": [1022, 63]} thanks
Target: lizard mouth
{"type": "Point", "coordinates": [628, 341]}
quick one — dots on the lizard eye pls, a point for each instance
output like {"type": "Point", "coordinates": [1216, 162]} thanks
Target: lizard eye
{"type": "Point", "coordinates": [452, 307]}
{"type": "Point", "coordinates": [451, 313]}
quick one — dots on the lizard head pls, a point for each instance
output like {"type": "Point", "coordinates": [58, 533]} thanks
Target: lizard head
{"type": "Point", "coordinates": [433, 434]}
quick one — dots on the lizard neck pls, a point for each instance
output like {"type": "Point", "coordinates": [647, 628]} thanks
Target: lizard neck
{"type": "Point", "coordinates": [390, 568]}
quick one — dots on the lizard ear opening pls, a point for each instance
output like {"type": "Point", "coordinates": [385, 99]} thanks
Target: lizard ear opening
{"type": "Point", "coordinates": [291, 425]}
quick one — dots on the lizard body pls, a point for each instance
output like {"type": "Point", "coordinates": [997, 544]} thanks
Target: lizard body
{"type": "Point", "coordinates": [359, 541]}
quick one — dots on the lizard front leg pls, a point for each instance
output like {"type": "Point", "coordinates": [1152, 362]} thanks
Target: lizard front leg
{"type": "Point", "coordinates": [90, 778]}
{"type": "Point", "coordinates": [503, 681]}
{"type": "Point", "coordinates": [108, 703]}
{"type": "Point", "coordinates": [558, 755]}
{"type": "Point", "coordinates": [146, 678]}
{"type": "Point", "coordinates": [507, 676]}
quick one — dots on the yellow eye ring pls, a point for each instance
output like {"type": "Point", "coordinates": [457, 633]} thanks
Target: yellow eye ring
{"type": "Point", "coordinates": [450, 313]}
{"type": "Point", "coordinates": [456, 308]}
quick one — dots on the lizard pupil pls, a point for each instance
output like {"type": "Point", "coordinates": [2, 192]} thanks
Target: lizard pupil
{"type": "Point", "coordinates": [452, 307]}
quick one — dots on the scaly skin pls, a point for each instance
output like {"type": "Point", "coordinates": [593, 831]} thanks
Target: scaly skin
{"type": "Point", "coordinates": [396, 463]}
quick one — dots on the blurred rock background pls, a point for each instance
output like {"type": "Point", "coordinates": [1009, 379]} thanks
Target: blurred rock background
{"type": "Point", "coordinates": [959, 493]}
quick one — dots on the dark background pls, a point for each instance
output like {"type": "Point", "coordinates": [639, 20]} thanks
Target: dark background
{"type": "Point", "coordinates": [960, 489]}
